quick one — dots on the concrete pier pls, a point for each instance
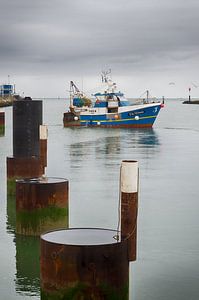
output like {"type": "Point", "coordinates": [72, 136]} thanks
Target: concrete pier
{"type": "Point", "coordinates": [191, 102]}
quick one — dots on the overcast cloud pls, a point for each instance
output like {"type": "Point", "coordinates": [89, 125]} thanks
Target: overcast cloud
{"type": "Point", "coordinates": [146, 43]}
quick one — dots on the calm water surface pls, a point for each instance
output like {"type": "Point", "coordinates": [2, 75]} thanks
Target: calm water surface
{"type": "Point", "coordinates": [167, 267]}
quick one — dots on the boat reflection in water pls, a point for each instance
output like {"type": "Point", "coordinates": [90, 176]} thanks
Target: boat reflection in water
{"type": "Point", "coordinates": [112, 143]}
{"type": "Point", "coordinates": [126, 140]}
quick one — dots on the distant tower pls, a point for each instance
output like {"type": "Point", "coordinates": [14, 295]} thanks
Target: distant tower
{"type": "Point", "coordinates": [7, 89]}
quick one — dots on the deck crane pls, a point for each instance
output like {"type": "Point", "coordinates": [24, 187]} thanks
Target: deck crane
{"type": "Point", "coordinates": [76, 93]}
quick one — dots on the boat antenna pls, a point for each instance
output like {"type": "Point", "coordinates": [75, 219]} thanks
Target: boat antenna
{"type": "Point", "coordinates": [82, 85]}
{"type": "Point", "coordinates": [105, 75]}
{"type": "Point", "coordinates": [147, 95]}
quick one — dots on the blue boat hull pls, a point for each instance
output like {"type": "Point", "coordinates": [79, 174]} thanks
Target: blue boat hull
{"type": "Point", "coordinates": [138, 118]}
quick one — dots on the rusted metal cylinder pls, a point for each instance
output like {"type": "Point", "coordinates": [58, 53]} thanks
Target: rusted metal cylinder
{"type": "Point", "coordinates": [19, 167]}
{"type": "Point", "coordinates": [82, 264]}
{"type": "Point", "coordinates": [27, 117]}
{"type": "Point", "coordinates": [43, 144]}
{"type": "Point", "coordinates": [26, 162]}
{"type": "Point", "coordinates": [129, 205]}
{"type": "Point", "coordinates": [41, 205]}
{"type": "Point", "coordinates": [2, 122]}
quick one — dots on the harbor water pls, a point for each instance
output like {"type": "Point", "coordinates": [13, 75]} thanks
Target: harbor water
{"type": "Point", "coordinates": [167, 265]}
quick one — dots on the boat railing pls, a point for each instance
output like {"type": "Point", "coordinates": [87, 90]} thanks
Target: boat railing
{"type": "Point", "coordinates": [143, 101]}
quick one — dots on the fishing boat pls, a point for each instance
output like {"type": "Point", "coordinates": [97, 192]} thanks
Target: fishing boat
{"type": "Point", "coordinates": [109, 108]}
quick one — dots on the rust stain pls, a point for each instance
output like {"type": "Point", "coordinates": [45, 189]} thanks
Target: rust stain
{"type": "Point", "coordinates": [35, 195]}
{"type": "Point", "coordinates": [65, 266]}
{"type": "Point", "coordinates": [24, 167]}
{"type": "Point", "coordinates": [129, 211]}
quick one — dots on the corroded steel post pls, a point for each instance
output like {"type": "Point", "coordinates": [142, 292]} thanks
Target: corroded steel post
{"type": "Point", "coordinates": [129, 205]}
{"type": "Point", "coordinates": [21, 167]}
{"type": "Point", "coordinates": [2, 122]}
{"type": "Point", "coordinates": [43, 130]}
{"type": "Point", "coordinates": [26, 162]}
{"type": "Point", "coordinates": [82, 264]}
{"type": "Point", "coordinates": [41, 205]}
{"type": "Point", "coordinates": [27, 117]}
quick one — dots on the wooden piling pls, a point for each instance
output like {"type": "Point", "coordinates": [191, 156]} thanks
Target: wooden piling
{"type": "Point", "coordinates": [82, 264]}
{"type": "Point", "coordinates": [41, 205]}
{"type": "Point", "coordinates": [2, 122]}
{"type": "Point", "coordinates": [129, 205]}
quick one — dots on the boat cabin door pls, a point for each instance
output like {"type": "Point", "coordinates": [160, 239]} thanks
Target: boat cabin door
{"type": "Point", "coordinates": [113, 105]}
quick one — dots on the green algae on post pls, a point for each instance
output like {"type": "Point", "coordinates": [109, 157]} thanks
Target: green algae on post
{"type": "Point", "coordinates": [41, 205]}
{"type": "Point", "coordinates": [84, 263]}
{"type": "Point", "coordinates": [40, 220]}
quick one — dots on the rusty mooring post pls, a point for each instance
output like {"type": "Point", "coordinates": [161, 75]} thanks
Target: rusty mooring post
{"type": "Point", "coordinates": [2, 122]}
{"type": "Point", "coordinates": [26, 162]}
{"type": "Point", "coordinates": [84, 263]}
{"type": "Point", "coordinates": [129, 205]}
{"type": "Point", "coordinates": [43, 130]}
{"type": "Point", "coordinates": [41, 205]}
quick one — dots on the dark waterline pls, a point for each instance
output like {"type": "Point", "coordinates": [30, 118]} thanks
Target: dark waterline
{"type": "Point", "coordinates": [168, 228]}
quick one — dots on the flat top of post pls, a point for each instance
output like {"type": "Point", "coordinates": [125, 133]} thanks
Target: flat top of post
{"type": "Point", "coordinates": [41, 180]}
{"type": "Point", "coordinates": [81, 236]}
{"type": "Point", "coordinates": [129, 161]}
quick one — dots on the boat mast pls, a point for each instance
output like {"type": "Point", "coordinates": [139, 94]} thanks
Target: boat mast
{"type": "Point", "coordinates": [147, 96]}
{"type": "Point", "coordinates": [105, 76]}
{"type": "Point", "coordinates": [71, 93]}
{"type": "Point", "coordinates": [73, 90]}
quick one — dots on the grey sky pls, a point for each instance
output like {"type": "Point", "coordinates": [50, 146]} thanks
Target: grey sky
{"type": "Point", "coordinates": [146, 43]}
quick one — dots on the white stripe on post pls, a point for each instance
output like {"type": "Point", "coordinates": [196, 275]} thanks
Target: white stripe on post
{"type": "Point", "coordinates": [43, 132]}
{"type": "Point", "coordinates": [129, 176]}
